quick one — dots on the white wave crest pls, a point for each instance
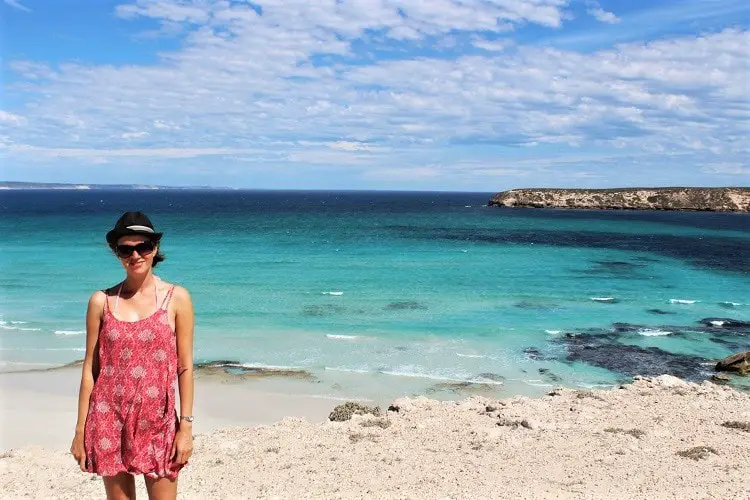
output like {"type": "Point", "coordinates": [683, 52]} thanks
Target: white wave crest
{"type": "Point", "coordinates": [682, 301]}
{"type": "Point", "coordinates": [648, 332]}
{"type": "Point", "coordinates": [332, 293]}
{"type": "Point", "coordinates": [69, 332]}
{"type": "Point", "coordinates": [553, 332]}
{"type": "Point", "coordinates": [603, 299]}
{"type": "Point", "coordinates": [5, 326]}
{"type": "Point", "coordinates": [730, 304]}
{"type": "Point", "coordinates": [470, 355]}
{"type": "Point", "coordinates": [718, 323]}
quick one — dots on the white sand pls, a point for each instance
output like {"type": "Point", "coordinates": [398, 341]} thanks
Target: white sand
{"type": "Point", "coordinates": [623, 443]}
{"type": "Point", "coordinates": [40, 407]}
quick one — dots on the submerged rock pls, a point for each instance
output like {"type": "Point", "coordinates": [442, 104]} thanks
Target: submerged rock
{"type": "Point", "coordinates": [322, 310]}
{"type": "Point", "coordinates": [630, 360]}
{"type": "Point", "coordinates": [658, 311]}
{"type": "Point", "coordinates": [728, 323]}
{"type": "Point", "coordinates": [407, 305]}
{"type": "Point", "coordinates": [231, 370]}
{"type": "Point", "coordinates": [549, 375]}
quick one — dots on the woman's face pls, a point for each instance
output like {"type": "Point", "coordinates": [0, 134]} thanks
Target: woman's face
{"type": "Point", "coordinates": [136, 254]}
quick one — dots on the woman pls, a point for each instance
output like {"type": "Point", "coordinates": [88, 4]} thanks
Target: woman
{"type": "Point", "coordinates": [139, 344]}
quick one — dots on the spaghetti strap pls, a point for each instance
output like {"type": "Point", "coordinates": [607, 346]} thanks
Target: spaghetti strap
{"type": "Point", "coordinates": [117, 300]}
{"type": "Point", "coordinates": [167, 298]}
{"type": "Point", "coordinates": [106, 300]}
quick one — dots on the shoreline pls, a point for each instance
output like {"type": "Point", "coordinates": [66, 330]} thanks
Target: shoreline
{"type": "Point", "coordinates": [653, 438]}
{"type": "Point", "coordinates": [45, 403]}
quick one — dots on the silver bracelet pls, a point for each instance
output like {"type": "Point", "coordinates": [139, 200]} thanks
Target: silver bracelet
{"type": "Point", "coordinates": [187, 418]}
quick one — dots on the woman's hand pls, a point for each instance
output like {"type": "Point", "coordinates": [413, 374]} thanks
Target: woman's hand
{"type": "Point", "coordinates": [78, 450]}
{"type": "Point", "coordinates": [182, 448]}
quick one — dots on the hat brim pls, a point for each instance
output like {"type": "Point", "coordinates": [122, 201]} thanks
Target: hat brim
{"type": "Point", "coordinates": [116, 234]}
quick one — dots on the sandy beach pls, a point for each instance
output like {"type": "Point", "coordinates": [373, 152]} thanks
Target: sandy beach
{"type": "Point", "coordinates": [653, 438]}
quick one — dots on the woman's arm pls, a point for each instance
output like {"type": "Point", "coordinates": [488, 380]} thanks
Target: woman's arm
{"type": "Point", "coordinates": [88, 371]}
{"type": "Point", "coordinates": [184, 324]}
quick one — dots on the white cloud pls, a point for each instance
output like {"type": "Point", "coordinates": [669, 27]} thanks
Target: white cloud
{"type": "Point", "coordinates": [162, 125]}
{"type": "Point", "coordinates": [353, 146]}
{"type": "Point", "coordinates": [11, 118]}
{"type": "Point", "coordinates": [16, 4]}
{"type": "Point", "coordinates": [291, 85]}
{"type": "Point", "coordinates": [134, 135]}
{"type": "Point", "coordinates": [603, 16]}
{"type": "Point", "coordinates": [83, 153]}
{"type": "Point", "coordinates": [492, 45]}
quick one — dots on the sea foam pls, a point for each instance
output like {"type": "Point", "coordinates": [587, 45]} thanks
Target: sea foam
{"type": "Point", "coordinates": [655, 332]}
{"type": "Point", "coordinates": [335, 336]}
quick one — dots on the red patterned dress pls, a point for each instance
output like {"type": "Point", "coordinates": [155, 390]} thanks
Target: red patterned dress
{"type": "Point", "coordinates": [131, 423]}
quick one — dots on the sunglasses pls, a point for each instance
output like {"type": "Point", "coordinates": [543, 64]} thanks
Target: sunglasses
{"type": "Point", "coordinates": [144, 249]}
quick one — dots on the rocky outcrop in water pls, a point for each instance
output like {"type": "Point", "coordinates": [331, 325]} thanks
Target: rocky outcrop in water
{"type": "Point", "coordinates": [730, 199]}
{"type": "Point", "coordinates": [737, 363]}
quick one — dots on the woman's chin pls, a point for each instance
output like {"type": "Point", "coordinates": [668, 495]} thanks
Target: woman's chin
{"type": "Point", "coordinates": [138, 269]}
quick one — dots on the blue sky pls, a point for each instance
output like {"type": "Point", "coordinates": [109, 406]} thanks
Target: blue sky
{"type": "Point", "coordinates": [475, 95]}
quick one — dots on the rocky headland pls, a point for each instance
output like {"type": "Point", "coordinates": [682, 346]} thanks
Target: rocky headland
{"type": "Point", "coordinates": [726, 199]}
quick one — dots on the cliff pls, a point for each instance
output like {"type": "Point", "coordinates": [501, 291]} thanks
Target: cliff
{"type": "Point", "coordinates": [730, 199]}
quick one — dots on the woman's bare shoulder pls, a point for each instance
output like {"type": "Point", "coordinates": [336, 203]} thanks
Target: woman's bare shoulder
{"type": "Point", "coordinates": [181, 295]}
{"type": "Point", "coordinates": [97, 299]}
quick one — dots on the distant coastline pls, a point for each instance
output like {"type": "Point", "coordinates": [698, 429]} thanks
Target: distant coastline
{"type": "Point", "coordinates": [722, 199]}
{"type": "Point", "coordinates": [15, 185]}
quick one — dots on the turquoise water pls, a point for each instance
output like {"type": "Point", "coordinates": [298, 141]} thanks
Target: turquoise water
{"type": "Point", "coordinates": [380, 293]}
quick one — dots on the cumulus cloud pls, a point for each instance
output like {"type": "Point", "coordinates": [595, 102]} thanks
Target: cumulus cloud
{"type": "Point", "coordinates": [603, 16]}
{"type": "Point", "coordinates": [254, 80]}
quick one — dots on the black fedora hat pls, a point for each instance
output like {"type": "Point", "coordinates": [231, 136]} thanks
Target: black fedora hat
{"type": "Point", "coordinates": [132, 223]}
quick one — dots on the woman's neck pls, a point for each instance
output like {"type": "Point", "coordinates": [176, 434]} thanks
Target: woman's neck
{"type": "Point", "coordinates": [136, 284]}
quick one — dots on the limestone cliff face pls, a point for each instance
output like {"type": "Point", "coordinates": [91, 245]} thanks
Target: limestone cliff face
{"type": "Point", "coordinates": [731, 199]}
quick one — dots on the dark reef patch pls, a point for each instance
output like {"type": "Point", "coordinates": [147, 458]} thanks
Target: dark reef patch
{"type": "Point", "coordinates": [632, 360]}
{"type": "Point", "coordinates": [232, 370]}
{"type": "Point", "coordinates": [659, 311]}
{"type": "Point", "coordinates": [548, 375]}
{"type": "Point", "coordinates": [535, 306]}
{"type": "Point", "coordinates": [407, 305]}
{"type": "Point", "coordinates": [319, 310]}
{"type": "Point", "coordinates": [729, 253]}
{"type": "Point", "coordinates": [614, 269]}
{"type": "Point", "coordinates": [741, 327]}
{"type": "Point", "coordinates": [607, 348]}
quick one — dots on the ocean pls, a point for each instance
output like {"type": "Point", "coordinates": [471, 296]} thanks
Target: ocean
{"type": "Point", "coordinates": [378, 294]}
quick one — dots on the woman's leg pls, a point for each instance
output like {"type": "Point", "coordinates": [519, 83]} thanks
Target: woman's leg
{"type": "Point", "coordinates": [120, 487]}
{"type": "Point", "coordinates": [161, 488]}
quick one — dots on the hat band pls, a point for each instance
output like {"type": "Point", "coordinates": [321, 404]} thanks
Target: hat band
{"type": "Point", "coordinates": [141, 228]}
